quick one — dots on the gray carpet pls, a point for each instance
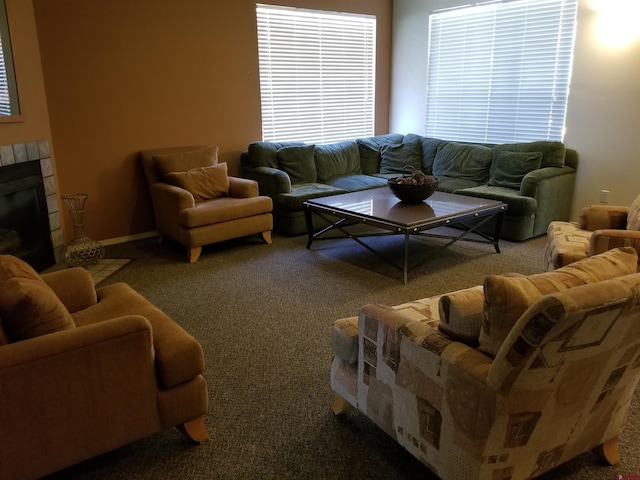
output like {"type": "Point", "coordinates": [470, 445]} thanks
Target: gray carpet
{"type": "Point", "coordinates": [263, 315]}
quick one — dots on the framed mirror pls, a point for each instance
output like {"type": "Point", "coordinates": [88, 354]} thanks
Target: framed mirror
{"type": "Point", "coordinates": [9, 102]}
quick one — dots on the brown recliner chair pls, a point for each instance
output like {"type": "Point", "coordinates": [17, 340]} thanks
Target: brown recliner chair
{"type": "Point", "coordinates": [84, 371]}
{"type": "Point", "coordinates": [195, 203]}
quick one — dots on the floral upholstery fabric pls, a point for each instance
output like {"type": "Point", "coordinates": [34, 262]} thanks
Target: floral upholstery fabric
{"type": "Point", "coordinates": [560, 385]}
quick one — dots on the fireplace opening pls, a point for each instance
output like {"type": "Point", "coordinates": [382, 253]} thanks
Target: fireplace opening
{"type": "Point", "coordinates": [24, 219]}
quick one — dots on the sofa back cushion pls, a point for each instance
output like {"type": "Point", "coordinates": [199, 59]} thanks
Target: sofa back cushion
{"type": "Point", "coordinates": [337, 159]}
{"type": "Point", "coordinates": [395, 157]}
{"type": "Point", "coordinates": [506, 298]}
{"type": "Point", "coordinates": [509, 168]}
{"type": "Point", "coordinates": [370, 150]}
{"type": "Point", "coordinates": [298, 162]}
{"type": "Point", "coordinates": [265, 154]}
{"type": "Point", "coordinates": [28, 306]}
{"type": "Point", "coordinates": [553, 153]}
{"type": "Point", "coordinates": [633, 217]}
{"type": "Point", "coordinates": [464, 161]}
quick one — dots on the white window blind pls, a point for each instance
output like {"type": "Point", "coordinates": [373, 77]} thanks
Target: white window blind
{"type": "Point", "coordinates": [5, 103]}
{"type": "Point", "coordinates": [317, 74]}
{"type": "Point", "coordinates": [499, 72]}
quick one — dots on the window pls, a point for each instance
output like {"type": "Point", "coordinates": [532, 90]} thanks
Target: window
{"type": "Point", "coordinates": [317, 72]}
{"type": "Point", "coordinates": [499, 72]}
{"type": "Point", "coordinates": [8, 91]}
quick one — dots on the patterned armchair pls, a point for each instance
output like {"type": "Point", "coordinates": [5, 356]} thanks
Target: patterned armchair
{"type": "Point", "coordinates": [599, 228]}
{"type": "Point", "coordinates": [550, 375]}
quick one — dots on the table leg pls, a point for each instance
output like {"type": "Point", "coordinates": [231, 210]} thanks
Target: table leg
{"type": "Point", "coordinates": [406, 257]}
{"type": "Point", "coordinates": [309, 220]}
{"type": "Point", "coordinates": [496, 232]}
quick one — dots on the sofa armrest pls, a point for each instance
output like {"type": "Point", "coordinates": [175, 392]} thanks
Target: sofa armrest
{"type": "Point", "coordinates": [421, 336]}
{"type": "Point", "coordinates": [272, 181]}
{"type": "Point", "coordinates": [597, 217]}
{"type": "Point", "coordinates": [243, 187]}
{"type": "Point", "coordinates": [90, 374]}
{"type": "Point", "coordinates": [534, 181]}
{"type": "Point", "coordinates": [73, 286]}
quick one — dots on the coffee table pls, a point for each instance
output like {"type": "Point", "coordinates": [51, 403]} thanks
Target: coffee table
{"type": "Point", "coordinates": [380, 209]}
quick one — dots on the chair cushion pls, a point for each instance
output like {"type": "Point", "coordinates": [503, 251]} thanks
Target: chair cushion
{"type": "Point", "coordinates": [298, 163]}
{"type": "Point", "coordinates": [204, 183]}
{"type": "Point", "coordinates": [633, 217]}
{"type": "Point", "coordinates": [566, 243]}
{"type": "Point", "coordinates": [509, 168]}
{"type": "Point", "coordinates": [28, 306]}
{"type": "Point", "coordinates": [183, 161]}
{"type": "Point", "coordinates": [461, 314]}
{"type": "Point", "coordinates": [508, 297]}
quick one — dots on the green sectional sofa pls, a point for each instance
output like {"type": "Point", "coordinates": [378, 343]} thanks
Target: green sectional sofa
{"type": "Point", "coordinates": [535, 179]}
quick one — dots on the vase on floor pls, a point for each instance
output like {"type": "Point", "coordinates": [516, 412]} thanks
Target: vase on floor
{"type": "Point", "coordinates": [82, 250]}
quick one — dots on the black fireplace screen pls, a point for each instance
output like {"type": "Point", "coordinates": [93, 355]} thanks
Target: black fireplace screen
{"type": "Point", "coordinates": [24, 218]}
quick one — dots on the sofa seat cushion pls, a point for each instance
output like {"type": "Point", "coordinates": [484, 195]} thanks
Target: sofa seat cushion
{"type": "Point", "coordinates": [566, 243]}
{"type": "Point", "coordinates": [451, 184]}
{"type": "Point", "coordinates": [336, 159]}
{"type": "Point", "coordinates": [508, 297]}
{"type": "Point", "coordinates": [223, 209]}
{"type": "Point", "coordinates": [294, 200]}
{"type": "Point", "coordinates": [517, 204]}
{"type": "Point", "coordinates": [464, 161]}
{"type": "Point", "coordinates": [354, 183]}
{"type": "Point", "coordinates": [28, 306]}
{"type": "Point", "coordinates": [178, 355]}
{"type": "Point", "coordinates": [369, 148]}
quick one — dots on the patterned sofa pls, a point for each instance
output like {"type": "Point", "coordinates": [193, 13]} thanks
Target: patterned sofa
{"type": "Point", "coordinates": [535, 179]}
{"type": "Point", "coordinates": [501, 381]}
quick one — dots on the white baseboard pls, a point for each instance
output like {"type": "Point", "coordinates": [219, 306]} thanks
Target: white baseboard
{"type": "Point", "coordinates": [128, 238]}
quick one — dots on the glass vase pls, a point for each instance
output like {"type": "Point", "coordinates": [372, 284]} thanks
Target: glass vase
{"type": "Point", "coordinates": [82, 250]}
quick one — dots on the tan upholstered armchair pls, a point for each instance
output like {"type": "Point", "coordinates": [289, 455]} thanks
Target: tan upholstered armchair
{"type": "Point", "coordinates": [501, 381]}
{"type": "Point", "coordinates": [85, 371]}
{"type": "Point", "coordinates": [599, 228]}
{"type": "Point", "coordinates": [196, 203]}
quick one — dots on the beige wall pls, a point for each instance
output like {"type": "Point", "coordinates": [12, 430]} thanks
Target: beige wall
{"type": "Point", "coordinates": [603, 115]}
{"type": "Point", "coordinates": [34, 124]}
{"type": "Point", "coordinates": [125, 75]}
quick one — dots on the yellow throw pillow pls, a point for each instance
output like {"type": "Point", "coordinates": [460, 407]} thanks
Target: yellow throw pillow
{"type": "Point", "coordinates": [28, 306]}
{"type": "Point", "coordinates": [203, 183]}
{"type": "Point", "coordinates": [183, 161]}
{"type": "Point", "coordinates": [506, 298]}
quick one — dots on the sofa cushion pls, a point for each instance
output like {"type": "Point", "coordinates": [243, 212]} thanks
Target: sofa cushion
{"type": "Point", "coordinates": [265, 154]}
{"type": "Point", "coordinates": [461, 314]}
{"type": "Point", "coordinates": [370, 150]}
{"type": "Point", "coordinates": [507, 298]}
{"type": "Point", "coordinates": [204, 183]}
{"type": "Point", "coordinates": [519, 205]}
{"type": "Point", "coordinates": [336, 159]}
{"type": "Point", "coordinates": [464, 161]}
{"type": "Point", "coordinates": [553, 153]}
{"type": "Point", "coordinates": [293, 201]}
{"type": "Point", "coordinates": [183, 161]}
{"type": "Point", "coordinates": [28, 306]}
{"type": "Point", "coordinates": [297, 161]}
{"type": "Point", "coordinates": [395, 157]}
{"type": "Point", "coordinates": [354, 183]}
{"type": "Point", "coordinates": [509, 168]}
{"type": "Point", "coordinates": [429, 150]}
{"type": "Point", "coordinates": [633, 217]}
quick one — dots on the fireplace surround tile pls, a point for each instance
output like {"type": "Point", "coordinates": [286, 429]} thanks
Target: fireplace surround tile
{"type": "Point", "coordinates": [6, 155]}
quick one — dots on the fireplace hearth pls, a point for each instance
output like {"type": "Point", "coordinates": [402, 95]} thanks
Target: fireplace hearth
{"type": "Point", "coordinates": [24, 220]}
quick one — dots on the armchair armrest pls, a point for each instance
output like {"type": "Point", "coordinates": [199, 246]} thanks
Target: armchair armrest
{"type": "Point", "coordinates": [91, 374]}
{"type": "Point", "coordinates": [598, 217]}
{"type": "Point", "coordinates": [243, 187]}
{"type": "Point", "coordinates": [73, 286]}
{"type": "Point", "coordinates": [606, 239]}
{"type": "Point", "coordinates": [272, 181]}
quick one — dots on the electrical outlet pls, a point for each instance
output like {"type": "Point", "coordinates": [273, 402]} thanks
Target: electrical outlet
{"type": "Point", "coordinates": [604, 196]}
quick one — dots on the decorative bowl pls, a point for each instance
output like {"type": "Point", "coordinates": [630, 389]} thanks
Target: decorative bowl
{"type": "Point", "coordinates": [410, 193]}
